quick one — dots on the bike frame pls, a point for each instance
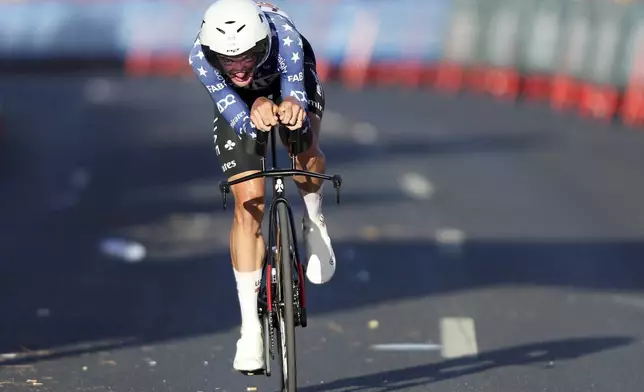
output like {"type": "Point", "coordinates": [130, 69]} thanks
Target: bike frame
{"type": "Point", "coordinates": [279, 196]}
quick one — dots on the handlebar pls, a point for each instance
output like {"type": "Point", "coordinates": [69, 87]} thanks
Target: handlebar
{"type": "Point", "coordinates": [336, 179]}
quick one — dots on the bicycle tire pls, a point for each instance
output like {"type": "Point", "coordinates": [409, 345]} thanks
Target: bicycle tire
{"type": "Point", "coordinates": [286, 315]}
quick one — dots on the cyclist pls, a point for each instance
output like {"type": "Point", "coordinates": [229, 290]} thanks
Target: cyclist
{"type": "Point", "coordinates": [260, 71]}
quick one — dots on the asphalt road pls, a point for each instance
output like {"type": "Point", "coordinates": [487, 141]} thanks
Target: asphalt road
{"type": "Point", "coordinates": [501, 245]}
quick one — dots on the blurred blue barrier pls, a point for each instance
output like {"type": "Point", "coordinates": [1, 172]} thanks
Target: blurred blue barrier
{"type": "Point", "coordinates": [35, 30]}
{"type": "Point", "coordinates": [585, 54]}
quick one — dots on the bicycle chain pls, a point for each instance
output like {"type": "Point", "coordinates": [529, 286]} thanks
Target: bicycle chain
{"type": "Point", "coordinates": [271, 327]}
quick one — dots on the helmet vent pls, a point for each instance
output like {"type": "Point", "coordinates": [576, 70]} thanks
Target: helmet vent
{"type": "Point", "coordinates": [240, 29]}
{"type": "Point", "coordinates": [230, 22]}
{"type": "Point", "coordinates": [220, 30]}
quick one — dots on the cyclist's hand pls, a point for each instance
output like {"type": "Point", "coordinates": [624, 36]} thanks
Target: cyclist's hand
{"type": "Point", "coordinates": [291, 114]}
{"type": "Point", "coordinates": [263, 114]}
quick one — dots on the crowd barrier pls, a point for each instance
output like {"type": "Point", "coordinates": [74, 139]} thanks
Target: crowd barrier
{"type": "Point", "coordinates": [581, 55]}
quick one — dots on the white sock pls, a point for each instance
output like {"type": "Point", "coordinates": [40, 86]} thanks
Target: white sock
{"type": "Point", "coordinates": [248, 284]}
{"type": "Point", "coordinates": [313, 203]}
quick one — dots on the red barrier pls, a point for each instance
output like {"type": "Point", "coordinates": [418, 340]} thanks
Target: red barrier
{"type": "Point", "coordinates": [474, 78]}
{"type": "Point", "coordinates": [449, 77]}
{"type": "Point", "coordinates": [138, 64]}
{"type": "Point", "coordinates": [354, 74]}
{"type": "Point", "coordinates": [407, 73]}
{"type": "Point", "coordinates": [537, 87]}
{"type": "Point", "coordinates": [598, 102]}
{"type": "Point", "coordinates": [502, 82]}
{"type": "Point", "coordinates": [632, 110]}
{"type": "Point", "coordinates": [325, 70]}
{"type": "Point", "coordinates": [565, 92]}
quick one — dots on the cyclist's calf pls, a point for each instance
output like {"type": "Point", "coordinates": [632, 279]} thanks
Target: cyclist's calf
{"type": "Point", "coordinates": [246, 241]}
{"type": "Point", "coordinates": [312, 159]}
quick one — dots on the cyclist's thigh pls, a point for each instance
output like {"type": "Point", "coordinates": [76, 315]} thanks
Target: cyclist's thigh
{"type": "Point", "coordinates": [235, 162]}
{"type": "Point", "coordinates": [236, 155]}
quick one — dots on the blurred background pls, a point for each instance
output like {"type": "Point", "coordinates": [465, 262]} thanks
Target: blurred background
{"type": "Point", "coordinates": [489, 236]}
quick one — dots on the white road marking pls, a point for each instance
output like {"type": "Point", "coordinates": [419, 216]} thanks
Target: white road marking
{"type": "Point", "coordinates": [406, 347]}
{"type": "Point", "coordinates": [416, 186]}
{"type": "Point", "coordinates": [334, 123]}
{"type": "Point", "coordinates": [450, 238]}
{"type": "Point", "coordinates": [634, 302]}
{"type": "Point", "coordinates": [458, 337]}
{"type": "Point", "coordinates": [99, 91]}
{"type": "Point", "coordinates": [365, 133]}
{"type": "Point", "coordinates": [370, 233]}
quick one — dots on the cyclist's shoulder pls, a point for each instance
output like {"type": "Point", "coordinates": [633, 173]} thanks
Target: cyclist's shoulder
{"type": "Point", "coordinates": [275, 15]}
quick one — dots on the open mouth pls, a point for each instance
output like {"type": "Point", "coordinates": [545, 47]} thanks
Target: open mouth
{"type": "Point", "coordinates": [240, 77]}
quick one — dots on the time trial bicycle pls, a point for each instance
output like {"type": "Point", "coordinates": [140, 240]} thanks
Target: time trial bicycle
{"type": "Point", "coordinates": [282, 296]}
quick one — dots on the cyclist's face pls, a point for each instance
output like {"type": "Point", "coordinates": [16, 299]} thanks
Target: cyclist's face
{"type": "Point", "coordinates": [240, 68]}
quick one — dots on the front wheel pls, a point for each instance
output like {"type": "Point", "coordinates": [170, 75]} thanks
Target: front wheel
{"type": "Point", "coordinates": [285, 313]}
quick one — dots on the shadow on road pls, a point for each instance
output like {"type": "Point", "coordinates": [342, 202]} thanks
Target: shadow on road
{"type": "Point", "coordinates": [97, 304]}
{"type": "Point", "coordinates": [531, 354]}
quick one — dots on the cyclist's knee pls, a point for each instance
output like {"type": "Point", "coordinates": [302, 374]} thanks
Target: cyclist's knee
{"type": "Point", "coordinates": [313, 147]}
{"type": "Point", "coordinates": [249, 202]}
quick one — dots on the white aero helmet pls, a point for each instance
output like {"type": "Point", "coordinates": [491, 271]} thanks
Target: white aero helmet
{"type": "Point", "coordinates": [234, 27]}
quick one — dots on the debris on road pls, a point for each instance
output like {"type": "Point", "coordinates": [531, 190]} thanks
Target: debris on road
{"type": "Point", "coordinates": [128, 251]}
